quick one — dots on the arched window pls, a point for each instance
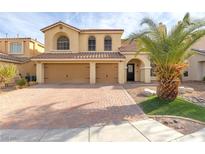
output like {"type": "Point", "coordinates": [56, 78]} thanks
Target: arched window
{"type": "Point", "coordinates": [63, 43]}
{"type": "Point", "coordinates": [107, 43]}
{"type": "Point", "coordinates": [91, 43]}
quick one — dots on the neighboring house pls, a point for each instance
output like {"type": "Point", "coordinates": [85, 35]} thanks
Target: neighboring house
{"type": "Point", "coordinates": [196, 63]}
{"type": "Point", "coordinates": [18, 51]}
{"type": "Point", "coordinates": [75, 55]}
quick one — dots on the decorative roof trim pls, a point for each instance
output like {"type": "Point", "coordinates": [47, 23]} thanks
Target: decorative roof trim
{"type": "Point", "coordinates": [59, 23]}
{"type": "Point", "coordinates": [11, 61]}
{"type": "Point", "coordinates": [14, 59]}
{"type": "Point", "coordinates": [77, 29]}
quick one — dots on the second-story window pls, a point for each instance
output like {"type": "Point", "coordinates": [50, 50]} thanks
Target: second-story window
{"type": "Point", "coordinates": [107, 43]}
{"type": "Point", "coordinates": [91, 43]}
{"type": "Point", "coordinates": [63, 43]}
{"type": "Point", "coordinates": [15, 48]}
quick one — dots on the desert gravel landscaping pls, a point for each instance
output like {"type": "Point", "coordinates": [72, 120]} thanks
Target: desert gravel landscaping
{"type": "Point", "coordinates": [183, 126]}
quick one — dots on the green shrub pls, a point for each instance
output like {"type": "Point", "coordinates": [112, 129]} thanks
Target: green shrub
{"type": "Point", "coordinates": [21, 82]}
{"type": "Point", "coordinates": [204, 78]}
{"type": "Point", "coordinates": [7, 72]}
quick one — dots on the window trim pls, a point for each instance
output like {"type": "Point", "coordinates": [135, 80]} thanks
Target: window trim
{"type": "Point", "coordinates": [22, 48]}
{"type": "Point", "coordinates": [89, 45]}
{"type": "Point", "coordinates": [62, 49]}
{"type": "Point", "coordinates": [104, 43]}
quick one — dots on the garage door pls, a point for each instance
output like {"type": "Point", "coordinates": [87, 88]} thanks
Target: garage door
{"type": "Point", "coordinates": [66, 73]}
{"type": "Point", "coordinates": [107, 73]}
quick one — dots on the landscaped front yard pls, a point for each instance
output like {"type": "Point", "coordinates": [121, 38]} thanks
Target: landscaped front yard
{"type": "Point", "coordinates": [178, 107]}
{"type": "Point", "coordinates": [154, 107]}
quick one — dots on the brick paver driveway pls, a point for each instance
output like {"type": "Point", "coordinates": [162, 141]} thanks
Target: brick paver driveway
{"type": "Point", "coordinates": [66, 106]}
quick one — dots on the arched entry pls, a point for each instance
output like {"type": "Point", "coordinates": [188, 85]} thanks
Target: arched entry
{"type": "Point", "coordinates": [133, 70]}
{"type": "Point", "coordinates": [138, 70]}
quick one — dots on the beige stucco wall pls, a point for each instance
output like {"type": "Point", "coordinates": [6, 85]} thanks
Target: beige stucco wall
{"type": "Point", "coordinates": [195, 67]}
{"type": "Point", "coordinates": [4, 63]}
{"type": "Point", "coordinates": [40, 72]}
{"type": "Point", "coordinates": [116, 40]}
{"type": "Point", "coordinates": [27, 68]}
{"type": "Point", "coordinates": [121, 72]}
{"type": "Point", "coordinates": [52, 35]}
{"type": "Point", "coordinates": [200, 44]}
{"type": "Point", "coordinates": [79, 40]}
{"type": "Point", "coordinates": [92, 72]}
{"type": "Point", "coordinates": [35, 48]}
{"type": "Point", "coordinates": [29, 47]}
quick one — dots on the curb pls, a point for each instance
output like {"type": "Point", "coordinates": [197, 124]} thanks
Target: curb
{"type": "Point", "coordinates": [177, 117]}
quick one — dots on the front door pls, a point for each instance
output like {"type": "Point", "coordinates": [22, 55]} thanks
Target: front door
{"type": "Point", "coordinates": [130, 72]}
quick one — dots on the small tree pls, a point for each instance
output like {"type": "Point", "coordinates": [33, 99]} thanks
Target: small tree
{"type": "Point", "coordinates": [7, 73]}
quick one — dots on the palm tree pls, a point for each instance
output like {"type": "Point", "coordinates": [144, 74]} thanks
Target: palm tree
{"type": "Point", "coordinates": [168, 50]}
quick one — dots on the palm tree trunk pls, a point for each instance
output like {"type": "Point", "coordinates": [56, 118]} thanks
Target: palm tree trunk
{"type": "Point", "coordinates": [168, 89]}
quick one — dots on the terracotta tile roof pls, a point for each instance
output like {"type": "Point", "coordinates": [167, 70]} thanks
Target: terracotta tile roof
{"type": "Point", "coordinates": [128, 46]}
{"type": "Point", "coordinates": [78, 56]}
{"type": "Point", "coordinates": [201, 51]}
{"type": "Point", "coordinates": [14, 59]}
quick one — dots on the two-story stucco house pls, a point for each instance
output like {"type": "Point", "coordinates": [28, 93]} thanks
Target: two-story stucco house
{"type": "Point", "coordinates": [18, 51]}
{"type": "Point", "coordinates": [75, 55]}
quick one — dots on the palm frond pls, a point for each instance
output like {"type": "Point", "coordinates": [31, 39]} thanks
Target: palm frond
{"type": "Point", "coordinates": [169, 50]}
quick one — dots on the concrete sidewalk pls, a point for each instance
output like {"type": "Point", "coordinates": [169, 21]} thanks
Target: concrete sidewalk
{"type": "Point", "coordinates": [198, 136]}
{"type": "Point", "coordinates": [141, 131]}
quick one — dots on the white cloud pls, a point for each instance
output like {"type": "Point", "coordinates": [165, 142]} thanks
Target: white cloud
{"type": "Point", "coordinates": [29, 24]}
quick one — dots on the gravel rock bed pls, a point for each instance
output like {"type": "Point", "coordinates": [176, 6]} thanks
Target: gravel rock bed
{"type": "Point", "coordinates": [181, 125]}
{"type": "Point", "coordinates": [195, 100]}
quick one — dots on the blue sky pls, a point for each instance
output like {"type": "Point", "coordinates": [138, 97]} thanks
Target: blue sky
{"type": "Point", "coordinates": [29, 24]}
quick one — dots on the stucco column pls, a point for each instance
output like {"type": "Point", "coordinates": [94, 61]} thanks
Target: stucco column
{"type": "Point", "coordinates": [145, 74]}
{"type": "Point", "coordinates": [121, 72]}
{"type": "Point", "coordinates": [92, 73]}
{"type": "Point", "coordinates": [40, 72]}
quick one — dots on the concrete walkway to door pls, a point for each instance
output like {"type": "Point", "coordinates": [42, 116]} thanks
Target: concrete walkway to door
{"type": "Point", "coordinates": [64, 106]}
